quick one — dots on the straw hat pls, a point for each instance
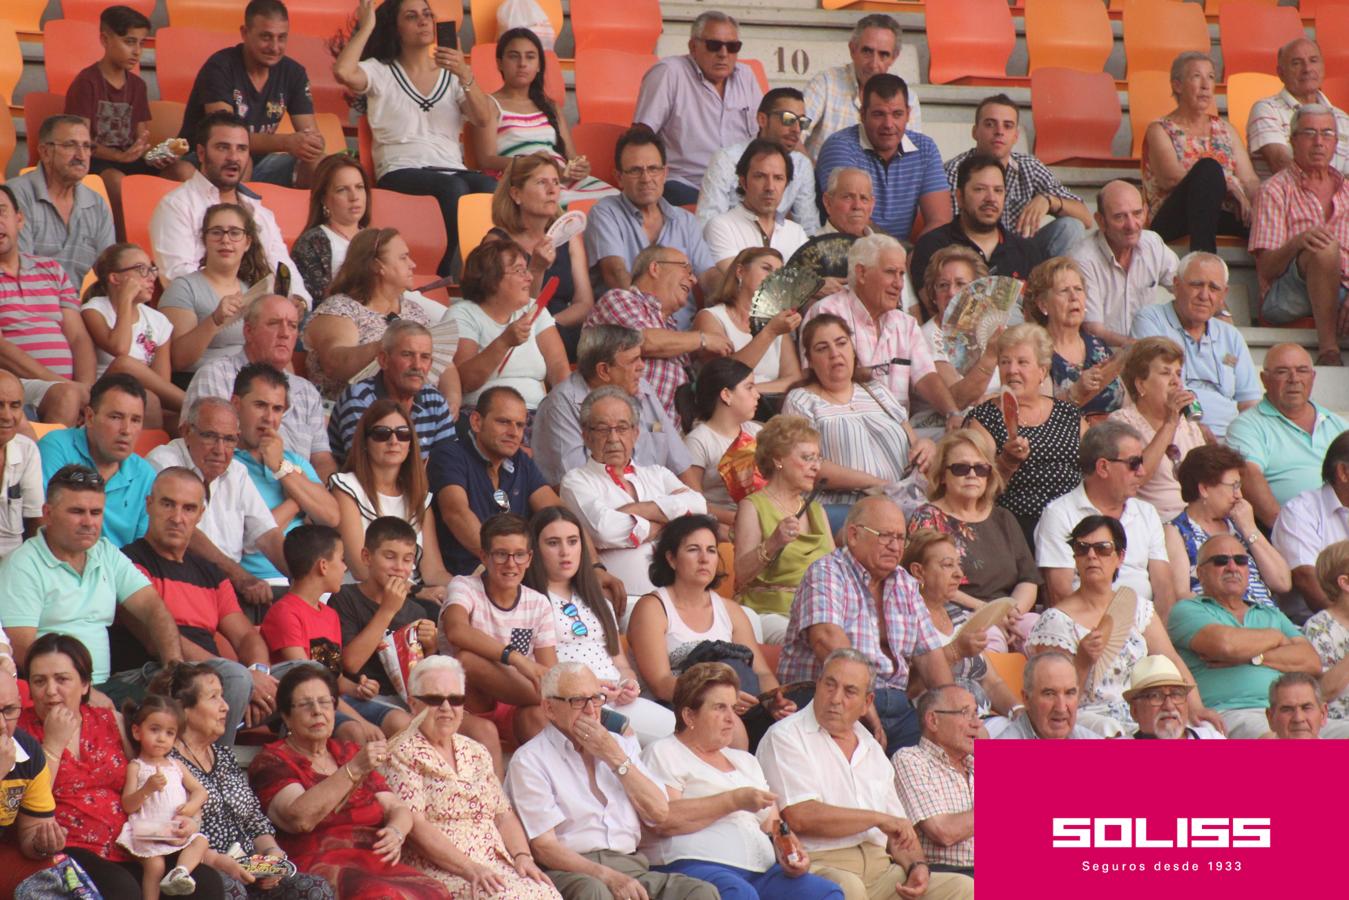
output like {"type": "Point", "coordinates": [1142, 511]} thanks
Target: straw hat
{"type": "Point", "coordinates": [1151, 672]}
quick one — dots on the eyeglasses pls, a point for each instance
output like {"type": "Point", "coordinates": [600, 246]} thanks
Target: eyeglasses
{"type": "Point", "coordinates": [788, 119]}
{"type": "Point", "coordinates": [983, 470]}
{"type": "Point", "coordinates": [517, 270]}
{"type": "Point", "coordinates": [966, 713]}
{"type": "Point", "coordinates": [885, 537]}
{"type": "Point", "coordinates": [309, 706]}
{"type": "Point", "coordinates": [215, 437]}
{"type": "Point", "coordinates": [1157, 698]}
{"type": "Point", "coordinates": [72, 146]}
{"type": "Point", "coordinates": [580, 702]}
{"type": "Point", "coordinates": [622, 429]}
{"type": "Point", "coordinates": [381, 434]}
{"type": "Point", "coordinates": [1222, 559]}
{"type": "Point", "coordinates": [1135, 463]}
{"type": "Point", "coordinates": [144, 270]}
{"type": "Point", "coordinates": [1100, 548]}
{"type": "Point", "coordinates": [220, 233]}
{"type": "Point", "coordinates": [11, 712]}
{"type": "Point", "coordinates": [1235, 486]}
{"type": "Point", "coordinates": [435, 701]}
{"type": "Point", "coordinates": [715, 46]}
{"type": "Point", "coordinates": [1329, 134]}
{"type": "Point", "coordinates": [640, 171]}
{"type": "Point", "coordinates": [501, 557]}
{"type": "Point", "coordinates": [682, 263]}
{"type": "Point", "coordinates": [578, 627]}
{"type": "Point", "coordinates": [500, 498]}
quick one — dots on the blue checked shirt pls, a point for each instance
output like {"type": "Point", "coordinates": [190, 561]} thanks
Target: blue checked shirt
{"type": "Point", "coordinates": [913, 171]}
{"type": "Point", "coordinates": [430, 416]}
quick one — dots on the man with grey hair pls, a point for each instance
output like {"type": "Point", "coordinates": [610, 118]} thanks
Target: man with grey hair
{"type": "Point", "coordinates": [271, 328]}
{"type": "Point", "coordinates": [583, 794]}
{"type": "Point", "coordinates": [1297, 709]}
{"type": "Point", "coordinates": [606, 355]}
{"type": "Point", "coordinates": [661, 281]}
{"type": "Point", "coordinates": [837, 791]}
{"type": "Point", "coordinates": [1299, 230]}
{"type": "Point", "coordinates": [1218, 366]}
{"type": "Point", "coordinates": [1302, 70]}
{"type": "Point", "coordinates": [63, 219]}
{"type": "Point", "coordinates": [700, 102]}
{"type": "Point", "coordinates": [623, 506]}
{"type": "Point", "coordinates": [1050, 692]}
{"type": "Point", "coordinates": [936, 778]}
{"type": "Point", "coordinates": [403, 377]}
{"type": "Point", "coordinates": [848, 201]}
{"type": "Point", "coordinates": [834, 95]}
{"type": "Point", "coordinates": [884, 336]}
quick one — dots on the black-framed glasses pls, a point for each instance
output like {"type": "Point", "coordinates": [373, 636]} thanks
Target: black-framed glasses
{"type": "Point", "coordinates": [1135, 463]}
{"type": "Point", "coordinates": [390, 318]}
{"type": "Point", "coordinates": [381, 434]}
{"type": "Point", "coordinates": [581, 702]}
{"type": "Point", "coordinates": [72, 146]}
{"type": "Point", "coordinates": [639, 171]}
{"type": "Point", "coordinates": [435, 701]}
{"type": "Point", "coordinates": [715, 46]}
{"type": "Point", "coordinates": [983, 470]}
{"type": "Point", "coordinates": [1100, 548]}
{"type": "Point", "coordinates": [1222, 559]}
{"type": "Point", "coordinates": [622, 429]}
{"type": "Point", "coordinates": [220, 233]}
{"type": "Point", "coordinates": [143, 270]}
{"type": "Point", "coordinates": [578, 627]}
{"type": "Point", "coordinates": [789, 118]}
{"type": "Point", "coordinates": [11, 712]}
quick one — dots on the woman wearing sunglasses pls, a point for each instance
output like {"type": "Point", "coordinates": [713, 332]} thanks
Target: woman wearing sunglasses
{"type": "Point", "coordinates": [1076, 626]}
{"type": "Point", "coordinates": [383, 476]}
{"type": "Point", "coordinates": [1210, 485]}
{"type": "Point", "coordinates": [963, 488]}
{"type": "Point", "coordinates": [465, 833]}
{"type": "Point", "coordinates": [586, 629]}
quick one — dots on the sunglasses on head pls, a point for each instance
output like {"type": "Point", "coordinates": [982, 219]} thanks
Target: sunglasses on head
{"type": "Point", "coordinates": [983, 470]}
{"type": "Point", "coordinates": [381, 434]}
{"type": "Point", "coordinates": [716, 46]}
{"type": "Point", "coordinates": [1222, 559]}
{"type": "Point", "coordinates": [1100, 548]}
{"type": "Point", "coordinates": [436, 701]}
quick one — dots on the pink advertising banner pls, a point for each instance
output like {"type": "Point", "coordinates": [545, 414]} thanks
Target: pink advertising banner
{"type": "Point", "coordinates": [1155, 820]}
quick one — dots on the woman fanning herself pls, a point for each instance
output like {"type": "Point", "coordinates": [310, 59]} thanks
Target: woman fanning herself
{"type": "Point", "coordinates": [772, 352]}
{"type": "Point", "coordinates": [949, 271]}
{"type": "Point", "coordinates": [1077, 625]}
{"type": "Point", "coordinates": [586, 629]}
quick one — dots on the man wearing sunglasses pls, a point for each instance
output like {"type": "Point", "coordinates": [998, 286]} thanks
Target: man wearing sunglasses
{"type": "Point", "coordinates": [700, 102]}
{"type": "Point", "coordinates": [1235, 648]}
{"type": "Point", "coordinates": [782, 120]}
{"type": "Point", "coordinates": [1111, 458]}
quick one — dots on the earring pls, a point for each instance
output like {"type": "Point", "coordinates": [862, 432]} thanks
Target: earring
{"type": "Point", "coordinates": [326, 214]}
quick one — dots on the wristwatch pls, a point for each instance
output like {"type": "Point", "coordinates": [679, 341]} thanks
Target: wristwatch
{"type": "Point", "coordinates": [261, 667]}
{"type": "Point", "coordinates": [622, 768]}
{"type": "Point", "coordinates": [286, 468]}
{"type": "Point", "coordinates": [1258, 659]}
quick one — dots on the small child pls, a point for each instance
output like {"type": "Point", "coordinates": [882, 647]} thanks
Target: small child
{"type": "Point", "coordinates": [160, 791]}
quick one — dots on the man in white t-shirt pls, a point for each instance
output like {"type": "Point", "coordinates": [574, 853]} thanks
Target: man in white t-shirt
{"type": "Point", "coordinates": [21, 487]}
{"type": "Point", "coordinates": [1112, 470]}
{"type": "Point", "coordinates": [764, 171]}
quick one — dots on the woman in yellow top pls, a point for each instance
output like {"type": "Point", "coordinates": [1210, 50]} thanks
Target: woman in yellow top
{"type": "Point", "coordinates": [777, 536]}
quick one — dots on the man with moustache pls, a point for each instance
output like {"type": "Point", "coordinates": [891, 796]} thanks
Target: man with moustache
{"type": "Point", "coordinates": [981, 194]}
{"type": "Point", "coordinates": [1122, 263]}
{"type": "Point", "coordinates": [1297, 710]}
{"type": "Point", "coordinates": [21, 482]}
{"type": "Point", "coordinates": [1158, 698]}
{"type": "Point", "coordinates": [936, 778]}
{"type": "Point", "coordinates": [63, 219]}
{"type": "Point", "coordinates": [1051, 693]}
{"type": "Point", "coordinates": [764, 171]}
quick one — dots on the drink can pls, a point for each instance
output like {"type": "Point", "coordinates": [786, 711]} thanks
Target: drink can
{"type": "Point", "coordinates": [1195, 411]}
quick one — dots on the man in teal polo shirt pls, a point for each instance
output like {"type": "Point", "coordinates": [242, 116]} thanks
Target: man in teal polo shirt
{"type": "Point", "coordinates": [1284, 438]}
{"type": "Point", "coordinates": [106, 443]}
{"type": "Point", "coordinates": [1235, 648]}
{"type": "Point", "coordinates": [287, 482]}
{"type": "Point", "coordinates": [70, 580]}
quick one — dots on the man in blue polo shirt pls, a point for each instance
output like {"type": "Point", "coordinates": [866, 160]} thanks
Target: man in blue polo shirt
{"type": "Point", "coordinates": [404, 365]}
{"type": "Point", "coordinates": [107, 444]}
{"type": "Point", "coordinates": [483, 473]}
{"type": "Point", "coordinates": [905, 168]}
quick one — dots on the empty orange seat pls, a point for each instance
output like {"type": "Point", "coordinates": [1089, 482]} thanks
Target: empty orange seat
{"type": "Point", "coordinates": [1243, 90]}
{"type": "Point", "coordinates": [596, 141]}
{"type": "Point", "coordinates": [1332, 33]}
{"type": "Point", "coordinates": [9, 139]}
{"type": "Point", "coordinates": [90, 10]}
{"type": "Point", "coordinates": [37, 106]}
{"type": "Point", "coordinates": [1157, 31]}
{"type": "Point", "coordinates": [179, 54]}
{"type": "Point", "coordinates": [1149, 99]}
{"type": "Point", "coordinates": [11, 60]}
{"type": "Point", "coordinates": [969, 39]}
{"type": "Point", "coordinates": [312, 53]}
{"type": "Point", "coordinates": [1076, 114]}
{"type": "Point", "coordinates": [22, 15]}
{"type": "Point", "coordinates": [419, 221]}
{"type": "Point", "coordinates": [607, 83]}
{"type": "Point", "coordinates": [632, 25]}
{"type": "Point", "coordinates": [760, 73]}
{"type": "Point", "coordinates": [149, 439]}
{"type": "Point", "coordinates": [140, 195]}
{"type": "Point", "coordinates": [484, 16]}
{"type": "Point", "coordinates": [290, 206]}
{"type": "Point", "coordinates": [475, 220]}
{"type": "Point", "coordinates": [1252, 34]}
{"type": "Point", "coordinates": [1337, 90]}
{"type": "Point", "coordinates": [212, 15]}
{"type": "Point", "coordinates": [1068, 34]}
{"type": "Point", "coordinates": [484, 62]}
{"type": "Point", "coordinates": [1214, 7]}
{"type": "Point", "coordinates": [71, 45]}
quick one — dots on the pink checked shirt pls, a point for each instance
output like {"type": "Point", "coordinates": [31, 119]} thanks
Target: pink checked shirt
{"type": "Point", "coordinates": [635, 308]}
{"type": "Point", "coordinates": [895, 345]}
{"type": "Point", "coordinates": [1286, 206]}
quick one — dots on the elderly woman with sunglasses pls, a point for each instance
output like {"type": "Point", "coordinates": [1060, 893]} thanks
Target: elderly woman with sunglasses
{"type": "Point", "coordinates": [1077, 625]}
{"type": "Point", "coordinates": [1210, 485]}
{"type": "Point", "coordinates": [464, 832]}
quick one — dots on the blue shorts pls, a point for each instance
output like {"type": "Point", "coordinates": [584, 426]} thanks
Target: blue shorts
{"type": "Point", "coordinates": [1287, 300]}
{"type": "Point", "coordinates": [376, 708]}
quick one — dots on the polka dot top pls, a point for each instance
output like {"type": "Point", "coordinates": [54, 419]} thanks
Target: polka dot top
{"type": "Point", "coordinates": [1051, 470]}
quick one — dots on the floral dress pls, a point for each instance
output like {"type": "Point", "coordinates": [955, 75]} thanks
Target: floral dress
{"type": "Point", "coordinates": [463, 804]}
{"type": "Point", "coordinates": [370, 327]}
{"type": "Point", "coordinates": [1065, 374]}
{"type": "Point", "coordinates": [1331, 640]}
{"type": "Point", "coordinates": [1217, 145]}
{"type": "Point", "coordinates": [1105, 697]}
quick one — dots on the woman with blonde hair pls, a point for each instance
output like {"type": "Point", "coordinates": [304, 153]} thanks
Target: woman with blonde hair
{"type": "Point", "coordinates": [1083, 370]}
{"type": "Point", "coordinates": [772, 352]}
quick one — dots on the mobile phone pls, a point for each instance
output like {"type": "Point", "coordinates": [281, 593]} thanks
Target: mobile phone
{"type": "Point", "coordinates": [446, 35]}
{"type": "Point", "coordinates": [614, 721]}
{"type": "Point", "coordinates": [282, 283]}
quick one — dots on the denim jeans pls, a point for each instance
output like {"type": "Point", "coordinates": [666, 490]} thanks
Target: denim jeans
{"type": "Point", "coordinates": [447, 188]}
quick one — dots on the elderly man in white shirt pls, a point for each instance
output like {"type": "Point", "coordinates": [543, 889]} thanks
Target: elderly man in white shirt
{"type": "Point", "coordinates": [22, 489]}
{"type": "Point", "coordinates": [582, 794]}
{"type": "Point", "coordinates": [1111, 455]}
{"type": "Point", "coordinates": [175, 226]}
{"type": "Point", "coordinates": [1313, 520]}
{"type": "Point", "coordinates": [623, 506]}
{"type": "Point", "coordinates": [836, 790]}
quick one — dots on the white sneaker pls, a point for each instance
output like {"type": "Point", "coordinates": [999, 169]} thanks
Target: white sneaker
{"type": "Point", "coordinates": [178, 883]}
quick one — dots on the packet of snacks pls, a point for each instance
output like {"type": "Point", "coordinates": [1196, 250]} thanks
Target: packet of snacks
{"type": "Point", "coordinates": [167, 150]}
{"type": "Point", "coordinates": [398, 652]}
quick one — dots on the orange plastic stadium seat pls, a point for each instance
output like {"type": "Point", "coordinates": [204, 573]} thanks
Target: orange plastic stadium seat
{"type": "Point", "coordinates": [1214, 7]}
{"type": "Point", "coordinates": [419, 221]}
{"type": "Point", "coordinates": [90, 10]}
{"type": "Point", "coordinates": [483, 59]}
{"type": "Point", "coordinates": [290, 206]}
{"type": "Point", "coordinates": [969, 39]}
{"type": "Point", "coordinates": [93, 183]}
{"type": "Point", "coordinates": [1332, 33]}
{"type": "Point", "coordinates": [37, 106]}
{"type": "Point", "coordinates": [1076, 114]}
{"type": "Point", "coordinates": [166, 120]}
{"type": "Point", "coordinates": [312, 53]}
{"type": "Point", "coordinates": [1252, 33]}
{"type": "Point", "coordinates": [9, 138]}
{"type": "Point", "coordinates": [596, 141]}
{"type": "Point", "coordinates": [632, 25]}
{"type": "Point", "coordinates": [484, 17]}
{"type": "Point", "coordinates": [140, 195]}
{"type": "Point", "coordinates": [1336, 90]}
{"type": "Point", "coordinates": [1149, 99]}
{"type": "Point", "coordinates": [212, 15]}
{"type": "Point", "coordinates": [1157, 31]}
{"type": "Point", "coordinates": [42, 429]}
{"type": "Point", "coordinates": [475, 220]}
{"type": "Point", "coordinates": [149, 439]}
{"type": "Point", "coordinates": [11, 60]}
{"type": "Point", "coordinates": [447, 10]}
{"type": "Point", "coordinates": [179, 54]}
{"type": "Point", "coordinates": [760, 73]}
{"type": "Point", "coordinates": [1243, 90]}
{"type": "Point", "coordinates": [1010, 667]}
{"type": "Point", "coordinates": [1068, 34]}
{"type": "Point", "coordinates": [22, 15]}
{"type": "Point", "coordinates": [334, 139]}
{"type": "Point", "coordinates": [70, 46]}
{"type": "Point", "coordinates": [607, 83]}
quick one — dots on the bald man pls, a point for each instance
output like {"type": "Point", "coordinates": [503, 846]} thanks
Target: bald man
{"type": "Point", "coordinates": [1122, 263]}
{"type": "Point", "coordinates": [1285, 436]}
{"type": "Point", "coordinates": [1302, 70]}
{"type": "Point", "coordinates": [21, 485]}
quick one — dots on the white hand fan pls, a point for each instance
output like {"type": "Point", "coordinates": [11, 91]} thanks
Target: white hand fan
{"type": "Point", "coordinates": [444, 341]}
{"type": "Point", "coordinates": [1123, 609]}
{"type": "Point", "coordinates": [567, 226]}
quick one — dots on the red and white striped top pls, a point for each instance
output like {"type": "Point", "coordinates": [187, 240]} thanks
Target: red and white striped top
{"type": "Point", "coordinates": [31, 305]}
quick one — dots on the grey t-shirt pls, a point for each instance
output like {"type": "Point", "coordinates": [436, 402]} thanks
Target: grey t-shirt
{"type": "Point", "coordinates": [194, 293]}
